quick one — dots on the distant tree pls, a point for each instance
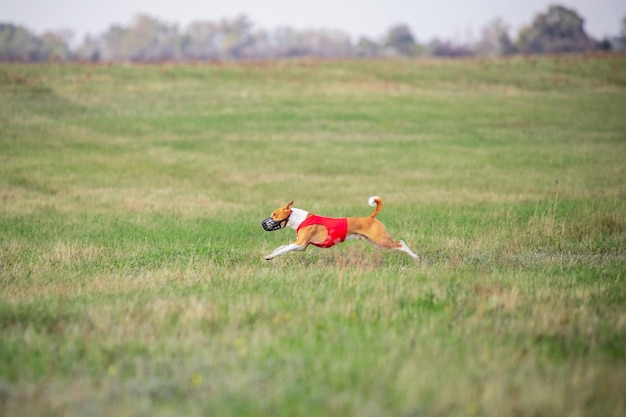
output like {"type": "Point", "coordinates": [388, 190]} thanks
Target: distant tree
{"type": "Point", "coordinates": [619, 42]}
{"type": "Point", "coordinates": [111, 43]}
{"type": "Point", "coordinates": [234, 37]}
{"type": "Point", "coordinates": [366, 47]}
{"type": "Point", "coordinates": [558, 30]}
{"type": "Point", "coordinates": [89, 50]}
{"type": "Point", "coordinates": [399, 40]}
{"type": "Point", "coordinates": [289, 42]}
{"type": "Point", "coordinates": [19, 44]}
{"type": "Point", "coordinates": [261, 45]}
{"type": "Point", "coordinates": [146, 39]}
{"type": "Point", "coordinates": [200, 41]}
{"type": "Point", "coordinates": [495, 40]}
{"type": "Point", "coordinates": [56, 45]}
{"type": "Point", "coordinates": [442, 48]}
{"type": "Point", "coordinates": [603, 45]}
{"type": "Point", "coordinates": [285, 41]}
{"type": "Point", "coordinates": [327, 43]}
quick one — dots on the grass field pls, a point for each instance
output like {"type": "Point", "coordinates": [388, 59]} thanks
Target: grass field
{"type": "Point", "coordinates": [132, 280]}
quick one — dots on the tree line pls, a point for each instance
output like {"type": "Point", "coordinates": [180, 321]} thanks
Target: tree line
{"type": "Point", "coordinates": [147, 39]}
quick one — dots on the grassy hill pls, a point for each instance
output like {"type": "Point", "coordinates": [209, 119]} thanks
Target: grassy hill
{"type": "Point", "coordinates": [131, 272]}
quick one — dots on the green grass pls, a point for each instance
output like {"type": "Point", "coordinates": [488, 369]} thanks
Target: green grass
{"type": "Point", "coordinates": [132, 279]}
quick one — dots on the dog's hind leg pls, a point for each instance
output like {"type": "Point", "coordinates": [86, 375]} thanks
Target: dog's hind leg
{"type": "Point", "coordinates": [387, 242]}
{"type": "Point", "coordinates": [404, 248]}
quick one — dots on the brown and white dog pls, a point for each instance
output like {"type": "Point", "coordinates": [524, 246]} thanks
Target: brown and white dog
{"type": "Point", "coordinates": [325, 232]}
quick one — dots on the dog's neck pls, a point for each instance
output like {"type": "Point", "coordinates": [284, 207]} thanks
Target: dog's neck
{"type": "Point", "coordinates": [297, 217]}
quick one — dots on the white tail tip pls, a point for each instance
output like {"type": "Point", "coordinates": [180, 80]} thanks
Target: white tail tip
{"type": "Point", "coordinates": [372, 201]}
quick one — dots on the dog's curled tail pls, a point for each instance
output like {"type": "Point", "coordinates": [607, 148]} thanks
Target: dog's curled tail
{"type": "Point", "coordinates": [375, 201]}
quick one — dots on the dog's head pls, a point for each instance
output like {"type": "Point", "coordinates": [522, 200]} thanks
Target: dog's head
{"type": "Point", "coordinates": [278, 219]}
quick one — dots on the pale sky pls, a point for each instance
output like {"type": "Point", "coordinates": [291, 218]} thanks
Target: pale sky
{"type": "Point", "coordinates": [446, 19]}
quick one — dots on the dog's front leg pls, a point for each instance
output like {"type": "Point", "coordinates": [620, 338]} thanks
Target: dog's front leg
{"type": "Point", "coordinates": [283, 250]}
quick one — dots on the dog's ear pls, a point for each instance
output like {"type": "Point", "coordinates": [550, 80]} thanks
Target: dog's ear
{"type": "Point", "coordinates": [290, 204]}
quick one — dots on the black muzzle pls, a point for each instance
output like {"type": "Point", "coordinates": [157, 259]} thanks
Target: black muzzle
{"type": "Point", "coordinates": [270, 224]}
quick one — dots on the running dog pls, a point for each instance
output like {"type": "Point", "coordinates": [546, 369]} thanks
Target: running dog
{"type": "Point", "coordinates": [325, 232]}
